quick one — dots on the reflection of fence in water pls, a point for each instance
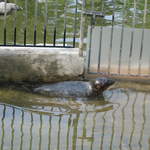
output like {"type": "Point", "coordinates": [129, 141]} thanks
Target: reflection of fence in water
{"type": "Point", "coordinates": [126, 126]}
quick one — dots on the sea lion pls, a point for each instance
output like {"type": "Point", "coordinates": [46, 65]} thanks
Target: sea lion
{"type": "Point", "coordinates": [75, 88]}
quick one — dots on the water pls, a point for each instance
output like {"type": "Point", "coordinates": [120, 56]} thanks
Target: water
{"type": "Point", "coordinates": [118, 121]}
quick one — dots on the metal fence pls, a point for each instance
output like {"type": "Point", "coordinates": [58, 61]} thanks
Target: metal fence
{"type": "Point", "coordinates": [51, 23]}
{"type": "Point", "coordinates": [118, 40]}
{"type": "Point", "coordinates": [119, 46]}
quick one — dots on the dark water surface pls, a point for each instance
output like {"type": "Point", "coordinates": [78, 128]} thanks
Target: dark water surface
{"type": "Point", "coordinates": [118, 121]}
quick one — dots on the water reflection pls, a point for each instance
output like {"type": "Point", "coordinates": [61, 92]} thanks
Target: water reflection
{"type": "Point", "coordinates": [124, 126]}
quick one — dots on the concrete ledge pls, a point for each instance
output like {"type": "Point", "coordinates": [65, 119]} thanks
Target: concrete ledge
{"type": "Point", "coordinates": [40, 64]}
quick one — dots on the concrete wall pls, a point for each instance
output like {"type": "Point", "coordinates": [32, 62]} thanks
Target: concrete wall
{"type": "Point", "coordinates": [40, 64]}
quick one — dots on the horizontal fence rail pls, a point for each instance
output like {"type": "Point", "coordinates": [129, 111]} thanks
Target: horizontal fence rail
{"type": "Point", "coordinates": [51, 23]}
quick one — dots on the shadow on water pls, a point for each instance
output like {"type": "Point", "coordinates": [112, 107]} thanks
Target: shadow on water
{"type": "Point", "coordinates": [119, 121]}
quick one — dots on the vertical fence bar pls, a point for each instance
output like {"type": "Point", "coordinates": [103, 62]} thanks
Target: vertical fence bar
{"type": "Point", "coordinates": [55, 25]}
{"type": "Point", "coordinates": [25, 24]}
{"type": "Point", "coordinates": [25, 36]}
{"type": "Point", "coordinates": [45, 24]}
{"type": "Point", "coordinates": [35, 22]}
{"type": "Point", "coordinates": [54, 41]}
{"type": "Point", "coordinates": [15, 35]}
{"type": "Point", "coordinates": [5, 38]}
{"type": "Point", "coordinates": [111, 39]}
{"type": "Point", "coordinates": [142, 39]}
{"type": "Point", "coordinates": [15, 28]}
{"type": "Point", "coordinates": [90, 40]}
{"type": "Point", "coordinates": [132, 37]}
{"type": "Point", "coordinates": [100, 42]}
{"type": "Point", "coordinates": [65, 24]}
{"type": "Point", "coordinates": [82, 22]}
{"type": "Point", "coordinates": [75, 24]}
{"type": "Point", "coordinates": [122, 35]}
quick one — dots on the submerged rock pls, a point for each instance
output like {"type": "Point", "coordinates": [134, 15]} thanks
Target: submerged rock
{"type": "Point", "coordinates": [75, 88]}
{"type": "Point", "coordinates": [8, 8]}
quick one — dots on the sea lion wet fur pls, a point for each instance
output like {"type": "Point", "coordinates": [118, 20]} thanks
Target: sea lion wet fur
{"type": "Point", "coordinates": [75, 88]}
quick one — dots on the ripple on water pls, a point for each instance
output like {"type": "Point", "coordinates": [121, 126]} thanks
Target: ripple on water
{"type": "Point", "coordinates": [120, 120]}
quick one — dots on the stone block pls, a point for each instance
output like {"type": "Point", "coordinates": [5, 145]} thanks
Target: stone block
{"type": "Point", "coordinates": [40, 64]}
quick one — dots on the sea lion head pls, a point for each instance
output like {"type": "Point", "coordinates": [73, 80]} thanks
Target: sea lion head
{"type": "Point", "coordinates": [100, 84]}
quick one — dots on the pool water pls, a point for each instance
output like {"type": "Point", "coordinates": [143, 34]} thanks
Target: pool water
{"type": "Point", "coordinates": [118, 121]}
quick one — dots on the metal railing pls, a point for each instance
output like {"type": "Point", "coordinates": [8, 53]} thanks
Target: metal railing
{"type": "Point", "coordinates": [46, 23]}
